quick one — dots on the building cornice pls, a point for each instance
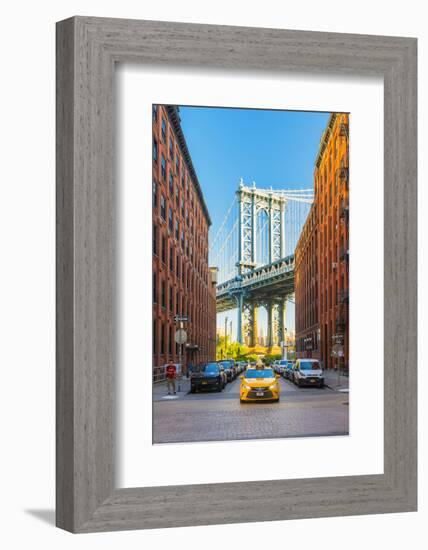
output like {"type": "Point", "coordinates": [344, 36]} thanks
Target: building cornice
{"type": "Point", "coordinates": [325, 139]}
{"type": "Point", "coordinates": [174, 118]}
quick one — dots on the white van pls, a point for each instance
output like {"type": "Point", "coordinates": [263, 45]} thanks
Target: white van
{"type": "Point", "coordinates": [308, 372]}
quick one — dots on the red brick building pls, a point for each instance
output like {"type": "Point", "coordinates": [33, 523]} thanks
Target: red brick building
{"type": "Point", "coordinates": [329, 222]}
{"type": "Point", "coordinates": [182, 281]}
{"type": "Point", "coordinates": [306, 289]}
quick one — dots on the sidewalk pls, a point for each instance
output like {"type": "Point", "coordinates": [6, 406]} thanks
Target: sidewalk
{"type": "Point", "coordinates": [160, 389]}
{"type": "Point", "coordinates": [336, 382]}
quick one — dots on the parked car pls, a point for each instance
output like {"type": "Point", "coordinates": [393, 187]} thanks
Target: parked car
{"type": "Point", "coordinates": [227, 370]}
{"type": "Point", "coordinates": [209, 377]}
{"type": "Point", "coordinates": [241, 366]}
{"type": "Point", "coordinates": [281, 364]}
{"type": "Point", "coordinates": [288, 369]}
{"type": "Point", "coordinates": [230, 363]}
{"type": "Point", "coordinates": [308, 372]}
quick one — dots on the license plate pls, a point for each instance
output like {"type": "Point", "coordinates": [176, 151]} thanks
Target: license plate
{"type": "Point", "coordinates": [313, 380]}
{"type": "Point", "coordinates": [259, 394]}
{"type": "Point", "coordinates": [204, 382]}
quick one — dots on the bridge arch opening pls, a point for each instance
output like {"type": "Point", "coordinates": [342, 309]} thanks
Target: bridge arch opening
{"type": "Point", "coordinates": [262, 237]}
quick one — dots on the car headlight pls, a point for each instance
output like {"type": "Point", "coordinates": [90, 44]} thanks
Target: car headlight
{"type": "Point", "coordinates": [245, 387]}
{"type": "Point", "coordinates": [273, 386]}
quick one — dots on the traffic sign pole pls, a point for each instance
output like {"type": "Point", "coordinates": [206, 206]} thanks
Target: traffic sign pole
{"type": "Point", "coordinates": [180, 352]}
{"type": "Point", "coordinates": [180, 338]}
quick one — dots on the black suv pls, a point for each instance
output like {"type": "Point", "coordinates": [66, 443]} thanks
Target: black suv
{"type": "Point", "coordinates": [209, 377]}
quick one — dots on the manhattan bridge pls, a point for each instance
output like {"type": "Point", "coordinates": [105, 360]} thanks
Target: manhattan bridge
{"type": "Point", "coordinates": [253, 251]}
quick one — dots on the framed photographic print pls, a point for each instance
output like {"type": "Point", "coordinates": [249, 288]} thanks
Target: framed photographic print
{"type": "Point", "coordinates": [236, 274]}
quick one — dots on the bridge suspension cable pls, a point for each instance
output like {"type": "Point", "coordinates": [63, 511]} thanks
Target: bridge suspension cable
{"type": "Point", "coordinates": [223, 223]}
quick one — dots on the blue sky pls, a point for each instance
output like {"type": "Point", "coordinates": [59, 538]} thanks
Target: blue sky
{"type": "Point", "coordinates": [273, 148]}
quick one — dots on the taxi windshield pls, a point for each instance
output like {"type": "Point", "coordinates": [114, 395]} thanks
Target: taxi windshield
{"type": "Point", "coordinates": [259, 373]}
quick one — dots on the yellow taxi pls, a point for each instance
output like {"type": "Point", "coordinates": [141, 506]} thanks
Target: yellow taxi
{"type": "Point", "coordinates": [259, 384]}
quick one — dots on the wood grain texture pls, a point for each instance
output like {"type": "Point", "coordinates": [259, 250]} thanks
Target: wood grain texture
{"type": "Point", "coordinates": [87, 49]}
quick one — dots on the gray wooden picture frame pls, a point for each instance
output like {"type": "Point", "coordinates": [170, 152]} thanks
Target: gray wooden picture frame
{"type": "Point", "coordinates": [87, 50]}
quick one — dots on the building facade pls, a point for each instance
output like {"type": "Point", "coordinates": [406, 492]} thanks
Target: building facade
{"type": "Point", "coordinates": [306, 289]}
{"type": "Point", "coordinates": [330, 229]}
{"type": "Point", "coordinates": [182, 282]}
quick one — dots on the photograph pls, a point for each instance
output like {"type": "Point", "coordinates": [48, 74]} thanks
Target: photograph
{"type": "Point", "coordinates": [250, 273]}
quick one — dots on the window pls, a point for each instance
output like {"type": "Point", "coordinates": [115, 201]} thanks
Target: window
{"type": "Point", "coordinates": [163, 207]}
{"type": "Point", "coordinates": [177, 196]}
{"type": "Point", "coordinates": [155, 112]}
{"type": "Point", "coordinates": [182, 206]}
{"type": "Point", "coordinates": [171, 184]}
{"type": "Point", "coordinates": [154, 344]}
{"type": "Point", "coordinates": [171, 259]}
{"type": "Point", "coordinates": [163, 167]}
{"type": "Point", "coordinates": [177, 303]}
{"type": "Point", "coordinates": [170, 220]}
{"type": "Point", "coordinates": [155, 240]}
{"type": "Point", "coordinates": [162, 342]}
{"type": "Point", "coordinates": [171, 338]}
{"type": "Point", "coordinates": [171, 153]}
{"type": "Point", "coordinates": [177, 229]}
{"type": "Point", "coordinates": [177, 163]}
{"type": "Point", "coordinates": [155, 150]}
{"type": "Point", "coordinates": [155, 194]}
{"type": "Point", "coordinates": [163, 249]}
{"type": "Point", "coordinates": [163, 130]}
{"type": "Point", "coordinates": [163, 294]}
{"type": "Point", "coordinates": [182, 240]}
{"type": "Point", "coordinates": [178, 266]}
{"type": "Point", "coordinates": [155, 289]}
{"type": "Point", "coordinates": [171, 299]}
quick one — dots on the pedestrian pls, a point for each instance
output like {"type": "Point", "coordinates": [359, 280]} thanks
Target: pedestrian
{"type": "Point", "coordinates": [189, 370]}
{"type": "Point", "coordinates": [171, 375]}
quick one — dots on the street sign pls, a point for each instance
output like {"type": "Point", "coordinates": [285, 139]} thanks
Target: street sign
{"type": "Point", "coordinates": [180, 318]}
{"type": "Point", "coordinates": [180, 336]}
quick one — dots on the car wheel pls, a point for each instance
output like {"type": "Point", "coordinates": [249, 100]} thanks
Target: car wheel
{"type": "Point", "coordinates": [192, 390]}
{"type": "Point", "coordinates": [299, 383]}
{"type": "Point", "coordinates": [321, 385]}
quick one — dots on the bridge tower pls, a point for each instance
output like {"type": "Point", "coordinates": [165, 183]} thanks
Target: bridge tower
{"type": "Point", "coordinates": [251, 203]}
{"type": "Point", "coordinates": [254, 251]}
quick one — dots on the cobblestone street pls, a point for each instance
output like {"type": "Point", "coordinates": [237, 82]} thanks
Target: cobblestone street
{"type": "Point", "coordinates": [302, 412]}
